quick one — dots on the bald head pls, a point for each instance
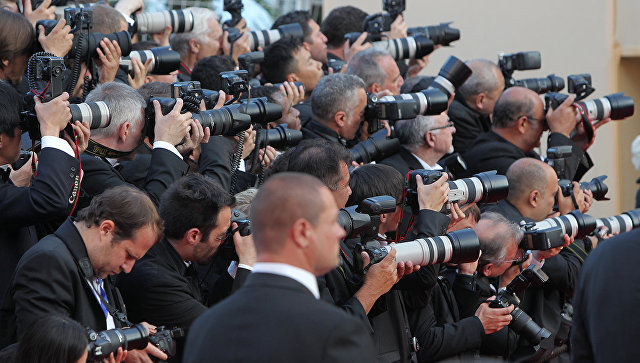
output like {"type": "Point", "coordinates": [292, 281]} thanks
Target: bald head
{"type": "Point", "coordinates": [486, 78]}
{"type": "Point", "coordinates": [513, 103]}
{"type": "Point", "coordinates": [528, 174]}
{"type": "Point", "coordinates": [281, 201]}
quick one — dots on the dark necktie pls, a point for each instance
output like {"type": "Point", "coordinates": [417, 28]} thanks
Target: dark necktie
{"type": "Point", "coordinates": [4, 174]}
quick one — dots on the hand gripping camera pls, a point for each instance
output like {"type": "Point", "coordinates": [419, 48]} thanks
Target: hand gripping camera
{"type": "Point", "coordinates": [136, 337]}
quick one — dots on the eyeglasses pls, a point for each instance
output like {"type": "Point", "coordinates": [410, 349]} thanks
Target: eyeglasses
{"type": "Point", "coordinates": [446, 126]}
{"type": "Point", "coordinates": [519, 258]}
{"type": "Point", "coordinates": [529, 118]}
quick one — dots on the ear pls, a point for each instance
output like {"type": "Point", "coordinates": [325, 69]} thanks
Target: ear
{"type": "Point", "coordinates": [521, 123]}
{"type": "Point", "coordinates": [272, 125]}
{"type": "Point", "coordinates": [192, 236]}
{"type": "Point", "coordinates": [375, 88]}
{"type": "Point", "coordinates": [307, 46]}
{"type": "Point", "coordinates": [301, 233]}
{"type": "Point", "coordinates": [194, 46]}
{"type": "Point", "coordinates": [292, 77]}
{"type": "Point", "coordinates": [341, 118]}
{"type": "Point", "coordinates": [486, 269]}
{"type": "Point", "coordinates": [123, 131]}
{"type": "Point", "coordinates": [106, 228]}
{"type": "Point", "coordinates": [430, 138]}
{"type": "Point", "coordinates": [479, 101]}
{"type": "Point", "coordinates": [384, 217]}
{"type": "Point", "coordinates": [148, 79]}
{"type": "Point", "coordinates": [534, 198]}
{"type": "Point", "coordinates": [5, 62]}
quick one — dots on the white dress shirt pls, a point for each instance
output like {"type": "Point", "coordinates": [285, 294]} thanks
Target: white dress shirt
{"type": "Point", "coordinates": [304, 277]}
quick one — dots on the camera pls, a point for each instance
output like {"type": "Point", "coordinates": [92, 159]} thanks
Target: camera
{"type": "Point", "coordinates": [550, 83]}
{"type": "Point", "coordinates": [79, 18]}
{"type": "Point", "coordinates": [363, 220]}
{"type": "Point", "coordinates": [227, 249]}
{"type": "Point", "coordinates": [249, 60]}
{"type": "Point", "coordinates": [521, 322]}
{"type": "Point", "coordinates": [191, 93]}
{"type": "Point", "coordinates": [336, 64]}
{"type": "Point", "coordinates": [520, 61]}
{"type": "Point", "coordinates": [375, 148]}
{"type": "Point", "coordinates": [233, 7]}
{"type": "Point", "coordinates": [403, 107]}
{"type": "Point", "coordinates": [451, 76]}
{"type": "Point", "coordinates": [557, 158]}
{"type": "Point", "coordinates": [487, 187]}
{"type": "Point", "coordinates": [441, 34]}
{"type": "Point", "coordinates": [264, 38]}
{"type": "Point", "coordinates": [280, 137]}
{"type": "Point", "coordinates": [181, 21]}
{"type": "Point", "coordinates": [540, 239]}
{"type": "Point", "coordinates": [375, 24]}
{"type": "Point", "coordinates": [574, 224]}
{"type": "Point", "coordinates": [412, 47]}
{"type": "Point", "coordinates": [103, 343]}
{"type": "Point", "coordinates": [456, 247]}
{"type": "Point", "coordinates": [621, 223]}
{"type": "Point", "coordinates": [235, 82]}
{"type": "Point", "coordinates": [580, 85]}
{"type": "Point", "coordinates": [617, 106]}
{"type": "Point", "coordinates": [596, 186]}
{"type": "Point", "coordinates": [163, 60]}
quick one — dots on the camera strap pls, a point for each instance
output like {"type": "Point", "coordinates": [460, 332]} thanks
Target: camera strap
{"type": "Point", "coordinates": [102, 151]}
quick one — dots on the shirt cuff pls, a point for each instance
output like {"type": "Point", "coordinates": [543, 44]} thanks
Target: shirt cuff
{"type": "Point", "coordinates": [536, 262]}
{"type": "Point", "coordinates": [57, 143]}
{"type": "Point", "coordinates": [246, 267]}
{"type": "Point", "coordinates": [167, 146]}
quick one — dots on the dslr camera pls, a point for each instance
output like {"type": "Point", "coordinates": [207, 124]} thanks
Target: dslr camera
{"type": "Point", "coordinates": [103, 343]}
{"type": "Point", "coordinates": [520, 61]}
{"type": "Point", "coordinates": [227, 249]}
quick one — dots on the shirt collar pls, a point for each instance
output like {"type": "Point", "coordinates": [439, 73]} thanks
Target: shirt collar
{"type": "Point", "coordinates": [425, 165]}
{"type": "Point", "coordinates": [304, 277]}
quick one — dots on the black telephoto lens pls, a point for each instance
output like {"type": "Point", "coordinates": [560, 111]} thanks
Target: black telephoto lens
{"type": "Point", "coordinates": [442, 34]}
{"type": "Point", "coordinates": [280, 137]}
{"type": "Point", "coordinates": [108, 341]}
{"type": "Point", "coordinates": [375, 148]}
{"type": "Point", "coordinates": [551, 83]}
{"type": "Point", "coordinates": [163, 59]}
{"type": "Point", "coordinates": [451, 76]}
{"type": "Point", "coordinates": [92, 43]}
{"type": "Point", "coordinates": [523, 325]}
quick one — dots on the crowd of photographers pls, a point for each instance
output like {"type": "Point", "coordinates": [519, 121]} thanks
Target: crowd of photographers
{"type": "Point", "coordinates": [178, 189]}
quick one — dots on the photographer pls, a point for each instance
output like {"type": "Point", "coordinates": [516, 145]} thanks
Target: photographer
{"type": "Point", "coordinates": [119, 140]}
{"type": "Point", "coordinates": [474, 101]}
{"type": "Point", "coordinates": [340, 21]}
{"type": "Point", "coordinates": [378, 71]}
{"type": "Point", "coordinates": [338, 104]}
{"type": "Point", "coordinates": [53, 192]}
{"type": "Point", "coordinates": [519, 120]}
{"type": "Point", "coordinates": [69, 272]}
{"type": "Point", "coordinates": [163, 287]}
{"type": "Point", "coordinates": [314, 41]}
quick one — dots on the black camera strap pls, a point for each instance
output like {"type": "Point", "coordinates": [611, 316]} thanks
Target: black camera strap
{"type": "Point", "coordinates": [102, 151]}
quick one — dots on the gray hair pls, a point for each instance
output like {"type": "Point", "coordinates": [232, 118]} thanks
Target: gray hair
{"type": "Point", "coordinates": [635, 151]}
{"type": "Point", "coordinates": [201, 17]}
{"type": "Point", "coordinates": [494, 246]}
{"type": "Point", "coordinates": [334, 93]}
{"type": "Point", "coordinates": [125, 104]}
{"type": "Point", "coordinates": [482, 80]}
{"type": "Point", "coordinates": [365, 64]}
{"type": "Point", "coordinates": [411, 132]}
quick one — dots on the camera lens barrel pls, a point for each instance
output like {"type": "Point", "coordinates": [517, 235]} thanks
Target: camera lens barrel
{"type": "Point", "coordinates": [123, 38]}
{"type": "Point", "coordinates": [523, 325]}
{"type": "Point", "coordinates": [621, 223]}
{"type": "Point", "coordinates": [94, 113]}
{"type": "Point", "coordinates": [181, 21]}
{"type": "Point", "coordinates": [617, 106]}
{"type": "Point", "coordinates": [108, 341]}
{"type": "Point", "coordinates": [451, 76]}
{"type": "Point", "coordinates": [406, 48]}
{"type": "Point", "coordinates": [430, 101]}
{"type": "Point", "coordinates": [456, 247]}
{"type": "Point", "coordinates": [375, 148]}
{"type": "Point", "coordinates": [263, 38]}
{"type": "Point", "coordinates": [282, 137]}
{"type": "Point", "coordinates": [551, 83]}
{"type": "Point", "coordinates": [575, 224]}
{"type": "Point", "coordinates": [485, 187]}
{"type": "Point", "coordinates": [163, 59]}
{"type": "Point", "coordinates": [442, 34]}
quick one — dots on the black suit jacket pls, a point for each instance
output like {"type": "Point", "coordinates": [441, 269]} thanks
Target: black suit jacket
{"type": "Point", "coordinates": [51, 279]}
{"type": "Point", "coordinates": [605, 319]}
{"type": "Point", "coordinates": [49, 198]}
{"type": "Point", "coordinates": [316, 130]}
{"type": "Point", "coordinates": [164, 168]}
{"type": "Point", "coordinates": [469, 124]}
{"type": "Point", "coordinates": [276, 319]}
{"type": "Point", "coordinates": [403, 161]}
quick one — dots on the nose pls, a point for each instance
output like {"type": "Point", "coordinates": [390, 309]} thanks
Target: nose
{"type": "Point", "coordinates": [127, 265]}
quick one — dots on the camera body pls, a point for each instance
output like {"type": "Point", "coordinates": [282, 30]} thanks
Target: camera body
{"type": "Point", "coordinates": [363, 220]}
{"type": "Point", "coordinates": [103, 343]}
{"type": "Point", "coordinates": [79, 18]}
{"type": "Point", "coordinates": [233, 7]}
{"type": "Point", "coordinates": [540, 239]}
{"type": "Point", "coordinates": [235, 82]}
{"type": "Point", "coordinates": [249, 60]}
{"type": "Point", "coordinates": [227, 249]}
{"type": "Point", "coordinates": [520, 61]}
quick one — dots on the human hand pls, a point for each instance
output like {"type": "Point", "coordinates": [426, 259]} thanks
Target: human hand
{"type": "Point", "coordinates": [381, 276]}
{"type": "Point", "coordinates": [563, 119]}
{"type": "Point", "coordinates": [513, 271]}
{"type": "Point", "coordinates": [128, 7]}
{"type": "Point", "coordinates": [351, 49]}
{"type": "Point", "coordinates": [59, 41]}
{"type": "Point", "coordinates": [245, 248]}
{"type": "Point", "coordinates": [81, 135]}
{"type": "Point", "coordinates": [587, 201]}
{"type": "Point", "coordinates": [173, 126]}
{"type": "Point", "coordinates": [494, 319]}
{"type": "Point", "coordinates": [53, 115]}
{"type": "Point", "coordinates": [565, 204]}
{"type": "Point", "coordinates": [241, 46]}
{"type": "Point", "coordinates": [139, 72]}
{"type": "Point", "coordinates": [398, 29]}
{"type": "Point", "coordinates": [44, 11]}
{"type": "Point", "coordinates": [434, 195]}
{"type": "Point", "coordinates": [121, 355]}
{"type": "Point", "coordinates": [293, 94]}
{"type": "Point", "coordinates": [269, 158]}
{"type": "Point", "coordinates": [416, 65]}
{"type": "Point", "coordinates": [193, 139]}
{"type": "Point", "coordinates": [108, 61]}
{"type": "Point", "coordinates": [249, 142]}
{"type": "Point", "coordinates": [469, 268]}
{"type": "Point", "coordinates": [542, 255]}
{"type": "Point", "coordinates": [162, 39]}
{"type": "Point", "coordinates": [22, 177]}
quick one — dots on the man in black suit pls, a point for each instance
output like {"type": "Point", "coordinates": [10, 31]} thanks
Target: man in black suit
{"type": "Point", "coordinates": [474, 102]}
{"type": "Point", "coordinates": [123, 135]}
{"type": "Point", "coordinates": [424, 140]}
{"type": "Point", "coordinates": [280, 304]}
{"type": "Point", "coordinates": [163, 288]}
{"type": "Point", "coordinates": [518, 123]}
{"type": "Point", "coordinates": [69, 272]}
{"type": "Point", "coordinates": [605, 326]}
{"type": "Point", "coordinates": [51, 195]}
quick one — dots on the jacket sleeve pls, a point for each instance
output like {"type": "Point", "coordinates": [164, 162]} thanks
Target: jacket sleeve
{"type": "Point", "coordinates": [563, 269]}
{"type": "Point", "coordinates": [215, 160]}
{"type": "Point", "coordinates": [349, 342]}
{"type": "Point", "coordinates": [578, 163]}
{"type": "Point", "coordinates": [49, 197]}
{"type": "Point", "coordinates": [349, 304]}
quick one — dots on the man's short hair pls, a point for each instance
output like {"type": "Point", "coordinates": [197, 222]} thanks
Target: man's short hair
{"type": "Point", "coordinates": [106, 19]}
{"type": "Point", "coordinates": [279, 203]}
{"type": "Point", "coordinates": [482, 80]}
{"type": "Point", "coordinates": [366, 65]}
{"type": "Point", "coordinates": [411, 132]}
{"type": "Point", "coordinates": [125, 104]}
{"type": "Point", "coordinates": [320, 158]}
{"type": "Point", "coordinates": [301, 17]}
{"type": "Point", "coordinates": [279, 60]}
{"type": "Point", "coordinates": [193, 201]}
{"type": "Point", "coordinates": [374, 180]}
{"type": "Point", "coordinates": [129, 208]}
{"type": "Point", "coordinates": [503, 232]}
{"type": "Point", "coordinates": [10, 104]}
{"type": "Point", "coordinates": [335, 92]}
{"type": "Point", "coordinates": [508, 108]}
{"type": "Point", "coordinates": [207, 71]}
{"type": "Point", "coordinates": [340, 21]}
{"type": "Point", "coordinates": [155, 89]}
{"type": "Point", "coordinates": [201, 16]}
{"type": "Point", "coordinates": [524, 176]}
{"type": "Point", "coordinates": [17, 36]}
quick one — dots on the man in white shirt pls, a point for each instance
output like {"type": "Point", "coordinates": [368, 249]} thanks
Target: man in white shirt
{"type": "Point", "coordinates": [277, 315]}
